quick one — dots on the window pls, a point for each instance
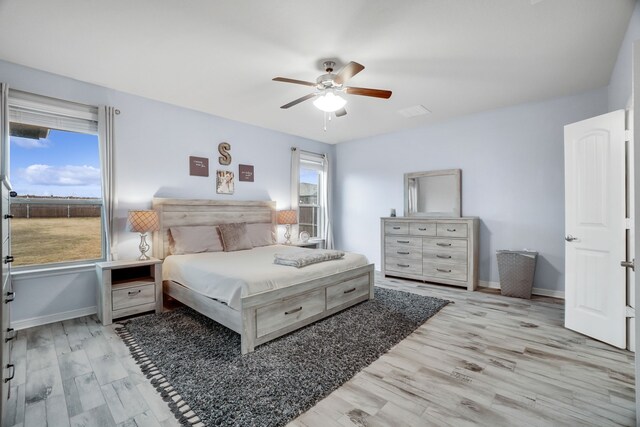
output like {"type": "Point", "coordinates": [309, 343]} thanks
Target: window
{"type": "Point", "coordinates": [54, 167]}
{"type": "Point", "coordinates": [311, 194]}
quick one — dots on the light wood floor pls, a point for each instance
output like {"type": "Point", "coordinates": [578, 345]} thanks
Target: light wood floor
{"type": "Point", "coordinates": [483, 360]}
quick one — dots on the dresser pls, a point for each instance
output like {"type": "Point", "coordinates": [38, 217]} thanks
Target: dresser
{"type": "Point", "coordinates": [439, 250]}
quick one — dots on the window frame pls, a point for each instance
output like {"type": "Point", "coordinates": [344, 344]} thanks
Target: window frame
{"type": "Point", "coordinates": [312, 161]}
{"type": "Point", "coordinates": [70, 117]}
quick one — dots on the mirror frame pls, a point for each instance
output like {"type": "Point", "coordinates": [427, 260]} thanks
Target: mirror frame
{"type": "Point", "coordinates": [457, 209]}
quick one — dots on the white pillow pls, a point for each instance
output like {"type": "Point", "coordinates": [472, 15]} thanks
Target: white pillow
{"type": "Point", "coordinates": [195, 239]}
{"type": "Point", "coordinates": [261, 234]}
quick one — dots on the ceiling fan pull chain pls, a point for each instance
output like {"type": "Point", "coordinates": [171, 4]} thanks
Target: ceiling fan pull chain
{"type": "Point", "coordinates": [325, 121]}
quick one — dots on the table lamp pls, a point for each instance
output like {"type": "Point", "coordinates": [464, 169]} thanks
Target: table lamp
{"type": "Point", "coordinates": [143, 222]}
{"type": "Point", "coordinates": [288, 217]}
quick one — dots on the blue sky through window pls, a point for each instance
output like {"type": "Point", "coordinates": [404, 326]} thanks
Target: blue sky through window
{"type": "Point", "coordinates": [64, 164]}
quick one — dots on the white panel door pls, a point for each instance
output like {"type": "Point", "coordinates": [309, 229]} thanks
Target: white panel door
{"type": "Point", "coordinates": [595, 287]}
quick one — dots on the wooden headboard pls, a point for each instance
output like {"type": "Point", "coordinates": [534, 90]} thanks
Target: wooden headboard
{"type": "Point", "coordinates": [181, 212]}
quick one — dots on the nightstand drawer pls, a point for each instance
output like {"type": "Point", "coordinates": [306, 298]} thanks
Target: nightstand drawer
{"type": "Point", "coordinates": [133, 296]}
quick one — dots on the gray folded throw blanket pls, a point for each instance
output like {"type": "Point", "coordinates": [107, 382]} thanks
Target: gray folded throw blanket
{"type": "Point", "coordinates": [305, 257]}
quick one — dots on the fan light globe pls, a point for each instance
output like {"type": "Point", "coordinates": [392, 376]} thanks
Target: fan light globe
{"type": "Point", "coordinates": [329, 102]}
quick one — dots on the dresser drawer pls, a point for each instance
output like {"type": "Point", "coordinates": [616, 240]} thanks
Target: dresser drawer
{"type": "Point", "coordinates": [347, 291]}
{"type": "Point", "coordinates": [403, 247]}
{"type": "Point", "coordinates": [446, 245]}
{"type": "Point", "coordinates": [132, 296]}
{"type": "Point", "coordinates": [401, 265]}
{"type": "Point", "coordinates": [396, 228]}
{"type": "Point", "coordinates": [451, 229]}
{"type": "Point", "coordinates": [289, 311]}
{"type": "Point", "coordinates": [445, 270]}
{"type": "Point", "coordinates": [445, 256]}
{"type": "Point", "coordinates": [422, 229]}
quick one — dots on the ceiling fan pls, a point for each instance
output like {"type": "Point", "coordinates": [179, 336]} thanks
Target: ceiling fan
{"type": "Point", "coordinates": [329, 86]}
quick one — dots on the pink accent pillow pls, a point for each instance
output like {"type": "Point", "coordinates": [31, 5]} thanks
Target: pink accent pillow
{"type": "Point", "coordinates": [261, 234]}
{"type": "Point", "coordinates": [194, 239]}
{"type": "Point", "coordinates": [234, 237]}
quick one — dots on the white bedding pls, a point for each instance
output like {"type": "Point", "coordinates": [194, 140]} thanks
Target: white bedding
{"type": "Point", "coordinates": [228, 276]}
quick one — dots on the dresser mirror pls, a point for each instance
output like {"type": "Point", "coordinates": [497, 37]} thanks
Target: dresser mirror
{"type": "Point", "coordinates": [433, 193]}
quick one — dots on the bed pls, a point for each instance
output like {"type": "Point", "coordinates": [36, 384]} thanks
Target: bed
{"type": "Point", "coordinates": [272, 308]}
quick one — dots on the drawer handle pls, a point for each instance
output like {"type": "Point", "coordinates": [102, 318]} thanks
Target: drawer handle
{"type": "Point", "coordinates": [8, 259]}
{"type": "Point", "coordinates": [451, 230]}
{"type": "Point", "coordinates": [443, 256]}
{"type": "Point", "coordinates": [13, 333]}
{"type": "Point", "coordinates": [348, 291]}
{"type": "Point", "coordinates": [403, 241]}
{"type": "Point", "coordinates": [403, 253]}
{"type": "Point", "coordinates": [396, 228]}
{"type": "Point", "coordinates": [442, 270]}
{"type": "Point", "coordinates": [10, 297]}
{"type": "Point", "coordinates": [422, 229]}
{"type": "Point", "coordinates": [403, 265]}
{"type": "Point", "coordinates": [13, 372]}
{"type": "Point", "coordinates": [295, 310]}
{"type": "Point", "coordinates": [444, 244]}
{"type": "Point", "coordinates": [135, 292]}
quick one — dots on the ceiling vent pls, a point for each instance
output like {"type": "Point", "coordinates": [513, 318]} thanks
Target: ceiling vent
{"type": "Point", "coordinates": [418, 110]}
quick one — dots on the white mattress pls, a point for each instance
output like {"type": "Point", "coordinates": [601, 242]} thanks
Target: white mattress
{"type": "Point", "coordinates": [229, 276]}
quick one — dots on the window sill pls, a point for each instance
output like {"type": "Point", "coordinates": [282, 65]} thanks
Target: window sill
{"type": "Point", "coordinates": [35, 272]}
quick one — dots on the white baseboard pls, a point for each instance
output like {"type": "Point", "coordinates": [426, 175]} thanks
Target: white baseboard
{"type": "Point", "coordinates": [52, 318]}
{"type": "Point", "coordinates": [534, 291]}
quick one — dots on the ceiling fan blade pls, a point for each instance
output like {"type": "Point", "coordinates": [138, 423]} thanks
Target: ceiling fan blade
{"type": "Point", "coordinates": [348, 71]}
{"type": "Point", "coordinates": [298, 82]}
{"type": "Point", "coordinates": [341, 112]}
{"type": "Point", "coordinates": [298, 101]}
{"type": "Point", "coordinates": [363, 91]}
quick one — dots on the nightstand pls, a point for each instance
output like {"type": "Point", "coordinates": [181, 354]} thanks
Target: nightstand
{"type": "Point", "coordinates": [128, 287]}
{"type": "Point", "coordinates": [311, 243]}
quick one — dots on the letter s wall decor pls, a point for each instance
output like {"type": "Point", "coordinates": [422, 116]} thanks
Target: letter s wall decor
{"type": "Point", "coordinates": [225, 157]}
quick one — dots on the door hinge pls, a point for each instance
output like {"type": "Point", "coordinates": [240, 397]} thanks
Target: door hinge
{"type": "Point", "coordinates": [628, 135]}
{"type": "Point", "coordinates": [629, 311]}
{"type": "Point", "coordinates": [628, 223]}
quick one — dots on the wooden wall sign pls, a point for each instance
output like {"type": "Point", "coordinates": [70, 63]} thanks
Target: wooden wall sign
{"type": "Point", "coordinates": [225, 157]}
{"type": "Point", "coordinates": [245, 173]}
{"type": "Point", "coordinates": [198, 166]}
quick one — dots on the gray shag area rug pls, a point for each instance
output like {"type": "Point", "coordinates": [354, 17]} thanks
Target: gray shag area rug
{"type": "Point", "coordinates": [186, 353]}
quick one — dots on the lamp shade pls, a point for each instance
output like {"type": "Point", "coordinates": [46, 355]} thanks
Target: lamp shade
{"type": "Point", "coordinates": [143, 221]}
{"type": "Point", "coordinates": [288, 217]}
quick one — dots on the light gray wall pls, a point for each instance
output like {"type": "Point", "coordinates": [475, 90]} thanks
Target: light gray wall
{"type": "Point", "coordinates": [512, 178]}
{"type": "Point", "coordinates": [153, 143]}
{"type": "Point", "coordinates": [621, 78]}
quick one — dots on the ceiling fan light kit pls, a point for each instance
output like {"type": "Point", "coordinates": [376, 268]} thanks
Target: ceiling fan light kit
{"type": "Point", "coordinates": [329, 102]}
{"type": "Point", "coordinates": [328, 84]}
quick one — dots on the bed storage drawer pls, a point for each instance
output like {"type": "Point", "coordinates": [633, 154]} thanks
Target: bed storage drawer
{"type": "Point", "coordinates": [287, 312]}
{"type": "Point", "coordinates": [133, 295]}
{"type": "Point", "coordinates": [347, 291]}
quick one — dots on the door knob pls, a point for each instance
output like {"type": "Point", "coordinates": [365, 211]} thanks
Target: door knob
{"type": "Point", "coordinates": [628, 264]}
{"type": "Point", "coordinates": [570, 238]}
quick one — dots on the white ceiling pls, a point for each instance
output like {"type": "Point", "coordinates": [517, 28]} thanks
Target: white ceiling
{"type": "Point", "coordinates": [455, 57]}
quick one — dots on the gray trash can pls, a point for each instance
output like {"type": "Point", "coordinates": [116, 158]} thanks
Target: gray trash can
{"type": "Point", "coordinates": [516, 270]}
